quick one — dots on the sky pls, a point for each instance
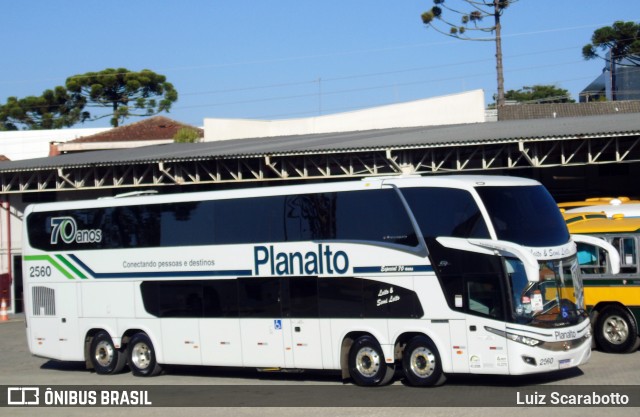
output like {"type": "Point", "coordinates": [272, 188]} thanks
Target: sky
{"type": "Point", "coordinates": [279, 59]}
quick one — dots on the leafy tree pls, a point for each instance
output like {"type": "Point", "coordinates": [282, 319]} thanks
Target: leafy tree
{"type": "Point", "coordinates": [125, 93]}
{"type": "Point", "coordinates": [469, 28]}
{"type": "Point", "coordinates": [539, 94]}
{"type": "Point", "coordinates": [186, 135]}
{"type": "Point", "coordinates": [54, 109]}
{"type": "Point", "coordinates": [622, 39]}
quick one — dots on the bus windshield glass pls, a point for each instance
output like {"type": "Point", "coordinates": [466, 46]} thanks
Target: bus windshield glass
{"type": "Point", "coordinates": [525, 215]}
{"type": "Point", "coordinates": [555, 300]}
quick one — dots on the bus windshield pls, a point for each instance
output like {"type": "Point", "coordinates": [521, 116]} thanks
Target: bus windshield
{"type": "Point", "coordinates": [555, 300]}
{"type": "Point", "coordinates": [525, 215]}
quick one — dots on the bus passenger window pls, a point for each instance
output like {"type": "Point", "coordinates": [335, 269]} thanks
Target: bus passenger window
{"type": "Point", "coordinates": [446, 212]}
{"type": "Point", "coordinates": [373, 215]}
{"type": "Point", "coordinates": [592, 259]}
{"type": "Point", "coordinates": [626, 246]}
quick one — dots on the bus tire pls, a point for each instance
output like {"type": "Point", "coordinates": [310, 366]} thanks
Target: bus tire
{"type": "Point", "coordinates": [104, 356]}
{"type": "Point", "coordinates": [421, 363]}
{"type": "Point", "coordinates": [616, 331]}
{"type": "Point", "coordinates": [367, 365]}
{"type": "Point", "coordinates": [142, 356]}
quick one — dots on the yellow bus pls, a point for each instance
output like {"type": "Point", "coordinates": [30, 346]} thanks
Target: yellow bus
{"type": "Point", "coordinates": [613, 300]}
{"type": "Point", "coordinates": [598, 201]}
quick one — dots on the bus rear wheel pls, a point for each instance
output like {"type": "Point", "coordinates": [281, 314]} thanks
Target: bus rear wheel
{"type": "Point", "coordinates": [104, 356]}
{"type": "Point", "coordinates": [367, 365]}
{"type": "Point", "coordinates": [142, 356]}
{"type": "Point", "coordinates": [616, 331]}
{"type": "Point", "coordinates": [421, 363]}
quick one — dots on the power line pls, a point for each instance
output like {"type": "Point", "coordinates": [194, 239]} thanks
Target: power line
{"type": "Point", "coordinates": [334, 54]}
{"type": "Point", "coordinates": [321, 93]}
{"type": "Point", "coordinates": [362, 89]}
{"type": "Point", "coordinates": [382, 73]}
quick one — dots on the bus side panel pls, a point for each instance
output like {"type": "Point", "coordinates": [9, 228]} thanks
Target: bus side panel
{"type": "Point", "coordinates": [108, 299]}
{"type": "Point", "coordinates": [53, 326]}
{"type": "Point", "coordinates": [221, 342]}
{"type": "Point", "coordinates": [182, 342]}
{"type": "Point", "coordinates": [432, 298]}
{"type": "Point", "coordinates": [41, 322]}
{"type": "Point", "coordinates": [43, 337]}
{"type": "Point", "coordinates": [104, 304]}
{"type": "Point", "coordinates": [262, 343]}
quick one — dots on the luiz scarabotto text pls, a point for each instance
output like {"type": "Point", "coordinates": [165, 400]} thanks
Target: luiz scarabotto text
{"type": "Point", "coordinates": [557, 398]}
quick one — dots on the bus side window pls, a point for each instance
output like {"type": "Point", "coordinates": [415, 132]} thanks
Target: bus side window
{"type": "Point", "coordinates": [259, 298]}
{"type": "Point", "coordinates": [309, 217]}
{"type": "Point", "coordinates": [483, 296]}
{"type": "Point", "coordinates": [373, 215]}
{"type": "Point", "coordinates": [626, 246]}
{"type": "Point", "coordinates": [446, 212]}
{"type": "Point", "coordinates": [592, 259]}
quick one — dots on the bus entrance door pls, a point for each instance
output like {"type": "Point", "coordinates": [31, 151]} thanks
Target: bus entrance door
{"type": "Point", "coordinates": [303, 348]}
{"type": "Point", "coordinates": [487, 350]}
{"type": "Point", "coordinates": [305, 344]}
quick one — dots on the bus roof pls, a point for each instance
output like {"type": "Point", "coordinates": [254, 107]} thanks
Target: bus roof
{"type": "Point", "coordinates": [597, 201]}
{"type": "Point", "coordinates": [627, 210]}
{"type": "Point", "coordinates": [591, 222]}
{"type": "Point", "coordinates": [452, 181]}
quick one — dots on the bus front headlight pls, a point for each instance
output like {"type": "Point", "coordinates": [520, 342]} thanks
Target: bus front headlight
{"type": "Point", "coordinates": [525, 340]}
{"type": "Point", "coordinates": [529, 341]}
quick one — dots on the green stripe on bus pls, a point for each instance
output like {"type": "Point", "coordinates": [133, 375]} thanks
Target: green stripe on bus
{"type": "Point", "coordinates": [49, 259]}
{"type": "Point", "coordinates": [71, 266]}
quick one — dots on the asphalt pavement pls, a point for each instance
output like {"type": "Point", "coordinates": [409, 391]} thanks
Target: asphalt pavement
{"type": "Point", "coordinates": [252, 393]}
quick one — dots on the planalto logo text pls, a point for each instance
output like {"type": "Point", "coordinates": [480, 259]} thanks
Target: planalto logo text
{"type": "Point", "coordinates": [66, 228]}
{"type": "Point", "coordinates": [322, 261]}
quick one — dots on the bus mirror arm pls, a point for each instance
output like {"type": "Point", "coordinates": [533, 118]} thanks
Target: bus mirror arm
{"type": "Point", "coordinates": [614, 256]}
{"type": "Point", "coordinates": [502, 247]}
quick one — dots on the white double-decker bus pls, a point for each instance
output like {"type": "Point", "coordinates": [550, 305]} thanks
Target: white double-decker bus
{"type": "Point", "coordinates": [427, 276]}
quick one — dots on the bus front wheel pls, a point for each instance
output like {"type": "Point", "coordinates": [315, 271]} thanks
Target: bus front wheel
{"type": "Point", "coordinates": [142, 356]}
{"type": "Point", "coordinates": [616, 331]}
{"type": "Point", "coordinates": [421, 363]}
{"type": "Point", "coordinates": [367, 365]}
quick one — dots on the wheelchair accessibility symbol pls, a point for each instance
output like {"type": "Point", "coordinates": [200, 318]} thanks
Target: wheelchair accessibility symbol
{"type": "Point", "coordinates": [277, 324]}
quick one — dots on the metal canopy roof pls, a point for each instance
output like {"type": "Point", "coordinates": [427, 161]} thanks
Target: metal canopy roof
{"type": "Point", "coordinates": [501, 145]}
{"type": "Point", "coordinates": [396, 138]}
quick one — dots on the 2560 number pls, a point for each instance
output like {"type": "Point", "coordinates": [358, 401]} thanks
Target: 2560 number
{"type": "Point", "coordinates": [39, 271]}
